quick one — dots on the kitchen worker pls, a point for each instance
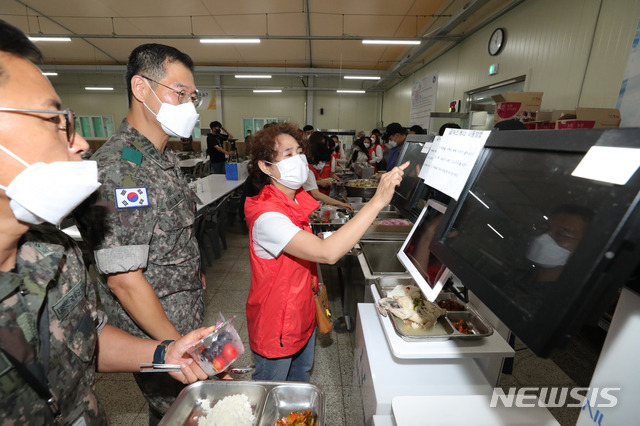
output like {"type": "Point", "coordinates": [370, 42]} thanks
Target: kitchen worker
{"type": "Point", "coordinates": [283, 252]}
{"type": "Point", "coordinates": [142, 230]}
{"type": "Point", "coordinates": [52, 337]}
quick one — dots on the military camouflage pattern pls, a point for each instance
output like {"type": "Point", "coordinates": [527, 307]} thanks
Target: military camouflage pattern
{"type": "Point", "coordinates": [160, 238]}
{"type": "Point", "coordinates": [49, 272]}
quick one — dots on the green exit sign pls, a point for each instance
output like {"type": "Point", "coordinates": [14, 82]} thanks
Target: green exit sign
{"type": "Point", "coordinates": [493, 69]}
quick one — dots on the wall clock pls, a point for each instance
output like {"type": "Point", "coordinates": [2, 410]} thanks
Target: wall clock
{"type": "Point", "coordinates": [496, 41]}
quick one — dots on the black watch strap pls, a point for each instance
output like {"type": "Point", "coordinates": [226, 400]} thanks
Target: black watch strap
{"type": "Point", "coordinates": [161, 350]}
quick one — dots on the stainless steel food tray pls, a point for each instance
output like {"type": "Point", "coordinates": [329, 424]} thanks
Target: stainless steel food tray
{"type": "Point", "coordinates": [381, 256]}
{"type": "Point", "coordinates": [445, 328]}
{"type": "Point", "coordinates": [269, 401]}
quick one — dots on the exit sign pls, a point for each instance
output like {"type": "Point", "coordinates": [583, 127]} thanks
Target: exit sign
{"type": "Point", "coordinates": [493, 69]}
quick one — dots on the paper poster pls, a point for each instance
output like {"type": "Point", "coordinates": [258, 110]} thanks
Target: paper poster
{"type": "Point", "coordinates": [433, 149]}
{"type": "Point", "coordinates": [609, 164]}
{"type": "Point", "coordinates": [209, 100]}
{"type": "Point", "coordinates": [423, 100]}
{"type": "Point", "coordinates": [629, 96]}
{"type": "Point", "coordinates": [451, 159]}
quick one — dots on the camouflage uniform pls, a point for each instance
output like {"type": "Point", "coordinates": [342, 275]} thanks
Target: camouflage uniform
{"type": "Point", "coordinates": [49, 273]}
{"type": "Point", "coordinates": [159, 238]}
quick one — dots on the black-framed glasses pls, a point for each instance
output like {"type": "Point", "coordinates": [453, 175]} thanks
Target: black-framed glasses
{"type": "Point", "coordinates": [183, 95]}
{"type": "Point", "coordinates": [68, 117]}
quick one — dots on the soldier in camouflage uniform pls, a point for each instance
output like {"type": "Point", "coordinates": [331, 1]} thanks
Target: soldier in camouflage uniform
{"type": "Point", "coordinates": [52, 337]}
{"type": "Point", "coordinates": [145, 246]}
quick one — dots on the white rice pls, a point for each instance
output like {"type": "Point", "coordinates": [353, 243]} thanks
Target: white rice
{"type": "Point", "coordinates": [232, 410]}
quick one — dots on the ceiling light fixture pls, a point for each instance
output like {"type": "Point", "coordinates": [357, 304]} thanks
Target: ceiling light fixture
{"type": "Point", "coordinates": [267, 91]}
{"type": "Point", "coordinates": [229, 40]}
{"type": "Point", "coordinates": [98, 88]}
{"type": "Point", "coordinates": [36, 39]}
{"type": "Point", "coordinates": [351, 91]}
{"type": "Point", "coordinates": [361, 77]}
{"type": "Point", "coordinates": [252, 76]}
{"type": "Point", "coordinates": [49, 73]}
{"type": "Point", "coordinates": [390, 41]}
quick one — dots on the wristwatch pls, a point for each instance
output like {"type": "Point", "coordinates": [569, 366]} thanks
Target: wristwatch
{"type": "Point", "coordinates": [161, 350]}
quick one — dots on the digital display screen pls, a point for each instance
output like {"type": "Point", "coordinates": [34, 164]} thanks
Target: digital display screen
{"type": "Point", "coordinates": [417, 248]}
{"type": "Point", "coordinates": [535, 243]}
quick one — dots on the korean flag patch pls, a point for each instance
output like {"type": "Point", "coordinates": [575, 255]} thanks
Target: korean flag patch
{"type": "Point", "coordinates": [127, 198]}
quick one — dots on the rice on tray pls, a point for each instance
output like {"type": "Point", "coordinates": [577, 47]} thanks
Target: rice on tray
{"type": "Point", "coordinates": [232, 410]}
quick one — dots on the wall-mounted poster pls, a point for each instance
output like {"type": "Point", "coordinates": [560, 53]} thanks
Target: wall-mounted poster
{"type": "Point", "coordinates": [629, 97]}
{"type": "Point", "coordinates": [423, 100]}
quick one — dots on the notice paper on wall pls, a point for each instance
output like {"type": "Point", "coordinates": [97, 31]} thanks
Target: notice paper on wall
{"type": "Point", "coordinates": [451, 158]}
{"type": "Point", "coordinates": [609, 164]}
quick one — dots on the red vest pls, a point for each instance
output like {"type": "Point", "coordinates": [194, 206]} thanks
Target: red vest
{"type": "Point", "coordinates": [322, 174]}
{"type": "Point", "coordinates": [281, 313]}
{"type": "Point", "coordinates": [372, 153]}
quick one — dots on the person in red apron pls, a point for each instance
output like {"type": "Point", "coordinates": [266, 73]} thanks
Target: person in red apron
{"type": "Point", "coordinates": [320, 162]}
{"type": "Point", "coordinates": [284, 252]}
{"type": "Point", "coordinates": [375, 151]}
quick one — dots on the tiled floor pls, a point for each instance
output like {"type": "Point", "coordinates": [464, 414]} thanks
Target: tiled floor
{"type": "Point", "coordinates": [228, 281]}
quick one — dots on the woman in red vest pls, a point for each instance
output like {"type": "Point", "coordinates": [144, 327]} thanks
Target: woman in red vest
{"type": "Point", "coordinates": [284, 252]}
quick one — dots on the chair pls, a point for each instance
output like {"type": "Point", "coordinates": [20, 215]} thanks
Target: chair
{"type": "Point", "coordinates": [196, 173]}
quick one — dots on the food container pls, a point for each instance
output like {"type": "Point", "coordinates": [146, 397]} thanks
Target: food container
{"type": "Point", "coordinates": [218, 349]}
{"type": "Point", "coordinates": [269, 400]}
{"type": "Point", "coordinates": [447, 326]}
{"type": "Point", "coordinates": [364, 188]}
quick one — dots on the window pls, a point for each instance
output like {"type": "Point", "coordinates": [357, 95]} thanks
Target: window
{"type": "Point", "coordinates": [95, 126]}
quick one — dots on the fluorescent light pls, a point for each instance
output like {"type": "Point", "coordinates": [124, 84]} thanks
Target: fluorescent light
{"type": "Point", "coordinates": [361, 77]}
{"type": "Point", "coordinates": [34, 39]}
{"type": "Point", "coordinates": [229, 40]}
{"type": "Point", "coordinates": [98, 88]}
{"type": "Point", "coordinates": [267, 91]}
{"type": "Point", "coordinates": [252, 76]}
{"type": "Point", "coordinates": [351, 91]}
{"type": "Point", "coordinates": [390, 41]}
{"type": "Point", "coordinates": [49, 73]}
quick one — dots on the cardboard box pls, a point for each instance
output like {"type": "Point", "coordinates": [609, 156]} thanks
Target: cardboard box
{"type": "Point", "coordinates": [236, 171]}
{"type": "Point", "coordinates": [546, 120]}
{"type": "Point", "coordinates": [522, 106]}
{"type": "Point", "coordinates": [590, 118]}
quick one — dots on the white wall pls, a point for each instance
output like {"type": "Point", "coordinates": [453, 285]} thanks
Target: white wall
{"type": "Point", "coordinates": [575, 51]}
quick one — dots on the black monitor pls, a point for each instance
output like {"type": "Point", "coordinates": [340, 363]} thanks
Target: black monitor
{"type": "Point", "coordinates": [411, 195]}
{"type": "Point", "coordinates": [543, 249]}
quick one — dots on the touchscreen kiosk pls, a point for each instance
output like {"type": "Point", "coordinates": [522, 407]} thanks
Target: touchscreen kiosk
{"type": "Point", "coordinates": [412, 189]}
{"type": "Point", "coordinates": [545, 250]}
{"type": "Point", "coordinates": [416, 256]}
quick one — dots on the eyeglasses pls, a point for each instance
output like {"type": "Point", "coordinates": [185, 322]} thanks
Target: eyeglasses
{"type": "Point", "coordinates": [183, 95]}
{"type": "Point", "coordinates": [69, 118]}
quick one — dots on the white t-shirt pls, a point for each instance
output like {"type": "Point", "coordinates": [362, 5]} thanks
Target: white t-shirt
{"type": "Point", "coordinates": [271, 232]}
{"type": "Point", "coordinates": [310, 184]}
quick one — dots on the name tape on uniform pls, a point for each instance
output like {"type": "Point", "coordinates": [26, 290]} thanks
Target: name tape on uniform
{"type": "Point", "coordinates": [127, 198]}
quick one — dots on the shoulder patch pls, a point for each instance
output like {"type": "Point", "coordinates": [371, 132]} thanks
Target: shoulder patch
{"type": "Point", "coordinates": [132, 155]}
{"type": "Point", "coordinates": [127, 198]}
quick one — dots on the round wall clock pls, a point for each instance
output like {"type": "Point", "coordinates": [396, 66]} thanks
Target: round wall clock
{"type": "Point", "coordinates": [496, 41]}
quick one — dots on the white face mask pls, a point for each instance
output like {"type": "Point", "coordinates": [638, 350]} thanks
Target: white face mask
{"type": "Point", "coordinates": [176, 120]}
{"type": "Point", "coordinates": [294, 171]}
{"type": "Point", "coordinates": [320, 165]}
{"type": "Point", "coordinates": [392, 144]}
{"type": "Point", "coordinates": [367, 145]}
{"type": "Point", "coordinates": [544, 251]}
{"type": "Point", "coordinates": [49, 192]}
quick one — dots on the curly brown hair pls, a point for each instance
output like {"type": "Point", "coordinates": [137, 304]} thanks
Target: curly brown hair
{"type": "Point", "coordinates": [264, 147]}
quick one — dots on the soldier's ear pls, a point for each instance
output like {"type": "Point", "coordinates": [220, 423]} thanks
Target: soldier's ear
{"type": "Point", "coordinates": [139, 88]}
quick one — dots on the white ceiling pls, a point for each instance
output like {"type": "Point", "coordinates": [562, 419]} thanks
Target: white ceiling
{"type": "Point", "coordinates": [298, 37]}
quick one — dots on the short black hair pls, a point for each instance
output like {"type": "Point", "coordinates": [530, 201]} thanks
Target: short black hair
{"type": "Point", "coordinates": [307, 128]}
{"type": "Point", "coordinates": [14, 41]}
{"type": "Point", "coordinates": [394, 128]}
{"type": "Point", "coordinates": [512, 124]}
{"type": "Point", "coordinates": [418, 130]}
{"type": "Point", "coordinates": [150, 59]}
{"type": "Point", "coordinates": [446, 126]}
{"type": "Point", "coordinates": [215, 124]}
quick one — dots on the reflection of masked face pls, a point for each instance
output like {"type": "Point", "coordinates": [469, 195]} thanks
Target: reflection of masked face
{"type": "Point", "coordinates": [544, 251]}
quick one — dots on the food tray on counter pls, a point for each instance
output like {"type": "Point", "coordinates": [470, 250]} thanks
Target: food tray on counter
{"type": "Point", "coordinates": [269, 400]}
{"type": "Point", "coordinates": [446, 328]}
